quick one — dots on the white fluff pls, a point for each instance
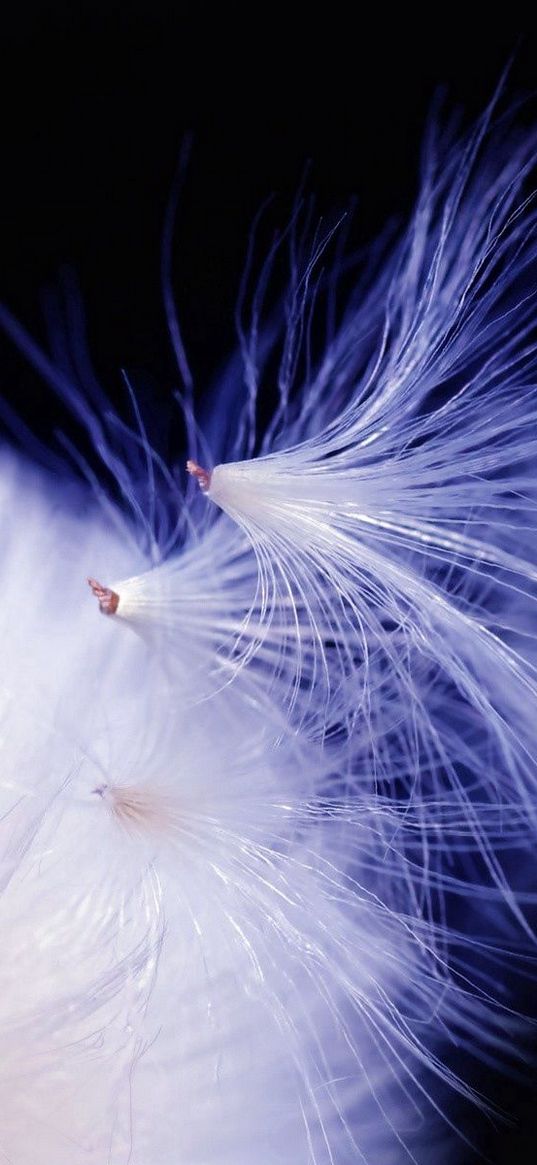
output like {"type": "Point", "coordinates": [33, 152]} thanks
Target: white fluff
{"type": "Point", "coordinates": [262, 826]}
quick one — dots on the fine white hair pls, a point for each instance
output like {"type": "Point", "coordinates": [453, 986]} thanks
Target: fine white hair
{"type": "Point", "coordinates": [265, 828]}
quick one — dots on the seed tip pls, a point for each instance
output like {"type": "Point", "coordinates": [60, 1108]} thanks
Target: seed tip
{"type": "Point", "coordinates": [203, 476]}
{"type": "Point", "coordinates": [108, 600]}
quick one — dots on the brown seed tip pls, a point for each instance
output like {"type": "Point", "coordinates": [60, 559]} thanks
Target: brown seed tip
{"type": "Point", "coordinates": [139, 807]}
{"type": "Point", "coordinates": [203, 475]}
{"type": "Point", "coordinates": [108, 600]}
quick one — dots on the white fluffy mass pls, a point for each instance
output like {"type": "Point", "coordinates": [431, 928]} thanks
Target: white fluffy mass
{"type": "Point", "coordinates": [266, 827]}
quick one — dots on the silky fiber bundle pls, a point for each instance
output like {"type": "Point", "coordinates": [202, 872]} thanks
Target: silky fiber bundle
{"type": "Point", "coordinates": [267, 874]}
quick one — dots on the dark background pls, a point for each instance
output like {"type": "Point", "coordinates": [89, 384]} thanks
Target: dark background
{"type": "Point", "coordinates": [97, 101]}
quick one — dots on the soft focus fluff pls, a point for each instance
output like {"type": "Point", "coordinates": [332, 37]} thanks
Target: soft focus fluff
{"type": "Point", "coordinates": [267, 829]}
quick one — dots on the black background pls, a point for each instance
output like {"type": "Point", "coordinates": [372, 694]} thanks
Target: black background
{"type": "Point", "coordinates": [97, 100]}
